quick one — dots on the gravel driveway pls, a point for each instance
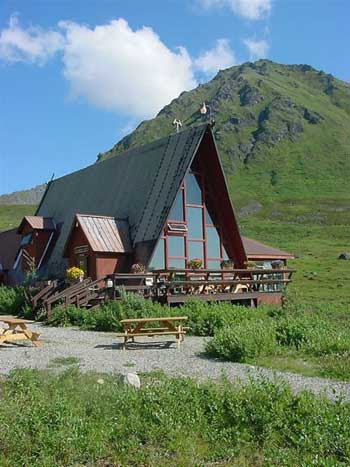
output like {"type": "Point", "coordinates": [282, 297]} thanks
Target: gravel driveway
{"type": "Point", "coordinates": [102, 352]}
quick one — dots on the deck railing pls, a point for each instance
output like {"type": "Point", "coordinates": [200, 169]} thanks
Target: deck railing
{"type": "Point", "coordinates": [161, 283]}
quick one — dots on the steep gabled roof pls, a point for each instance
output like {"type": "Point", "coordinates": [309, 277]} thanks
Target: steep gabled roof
{"type": "Point", "coordinates": [37, 223]}
{"type": "Point", "coordinates": [140, 185]}
{"type": "Point", "coordinates": [256, 249]}
{"type": "Point", "coordinates": [104, 234]}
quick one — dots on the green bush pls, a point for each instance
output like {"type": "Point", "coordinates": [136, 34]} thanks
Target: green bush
{"type": "Point", "coordinates": [12, 300]}
{"type": "Point", "coordinates": [69, 419]}
{"type": "Point", "coordinates": [203, 318]}
{"type": "Point", "coordinates": [244, 341]}
{"type": "Point", "coordinates": [312, 335]}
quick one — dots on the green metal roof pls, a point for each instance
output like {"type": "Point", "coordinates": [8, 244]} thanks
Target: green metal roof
{"type": "Point", "coordinates": [139, 185]}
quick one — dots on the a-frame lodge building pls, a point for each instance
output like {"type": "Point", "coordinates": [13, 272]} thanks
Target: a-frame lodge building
{"type": "Point", "coordinates": [160, 205]}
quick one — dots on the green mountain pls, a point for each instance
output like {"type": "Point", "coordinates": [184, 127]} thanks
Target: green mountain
{"type": "Point", "coordinates": [282, 130]}
{"type": "Point", "coordinates": [283, 133]}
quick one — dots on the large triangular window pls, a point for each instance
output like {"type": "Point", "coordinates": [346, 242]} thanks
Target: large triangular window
{"type": "Point", "coordinates": [190, 232]}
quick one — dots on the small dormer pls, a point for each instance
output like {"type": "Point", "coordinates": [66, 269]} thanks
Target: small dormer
{"type": "Point", "coordinates": [99, 245]}
{"type": "Point", "coordinates": [36, 234]}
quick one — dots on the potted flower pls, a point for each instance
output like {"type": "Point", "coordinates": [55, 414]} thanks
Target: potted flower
{"type": "Point", "coordinates": [138, 268]}
{"type": "Point", "coordinates": [250, 264]}
{"type": "Point", "coordinates": [75, 274]}
{"type": "Point", "coordinates": [227, 264]}
{"type": "Point", "coordinates": [278, 264]}
{"type": "Point", "coordinates": [195, 263]}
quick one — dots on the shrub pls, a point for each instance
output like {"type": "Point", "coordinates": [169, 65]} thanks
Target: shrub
{"type": "Point", "coordinates": [68, 419]}
{"type": "Point", "coordinates": [12, 300]}
{"type": "Point", "coordinates": [312, 335]}
{"type": "Point", "coordinates": [293, 331]}
{"type": "Point", "coordinates": [244, 341]}
{"type": "Point", "coordinates": [204, 318]}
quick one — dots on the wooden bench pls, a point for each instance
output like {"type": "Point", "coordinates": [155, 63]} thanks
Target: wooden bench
{"type": "Point", "coordinates": [17, 330]}
{"type": "Point", "coordinates": [138, 327]}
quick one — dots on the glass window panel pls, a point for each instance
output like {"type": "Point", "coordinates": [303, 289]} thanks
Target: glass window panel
{"type": "Point", "coordinates": [193, 191]}
{"type": "Point", "coordinates": [177, 212]}
{"type": "Point", "coordinates": [214, 264]}
{"type": "Point", "coordinates": [213, 243]}
{"type": "Point", "coordinates": [176, 264]}
{"type": "Point", "coordinates": [158, 261]}
{"type": "Point", "coordinates": [176, 246]}
{"type": "Point", "coordinates": [26, 239]}
{"type": "Point", "coordinates": [196, 250]}
{"type": "Point", "coordinates": [225, 254]}
{"type": "Point", "coordinates": [195, 222]}
{"type": "Point", "coordinates": [208, 219]}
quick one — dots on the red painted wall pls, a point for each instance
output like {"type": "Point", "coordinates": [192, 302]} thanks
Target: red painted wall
{"type": "Point", "coordinates": [78, 239]}
{"type": "Point", "coordinates": [106, 263]}
{"type": "Point", "coordinates": [99, 264]}
{"type": "Point", "coordinates": [36, 249]}
{"type": "Point", "coordinates": [274, 298]}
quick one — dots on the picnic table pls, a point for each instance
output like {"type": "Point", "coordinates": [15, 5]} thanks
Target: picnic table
{"type": "Point", "coordinates": [17, 330]}
{"type": "Point", "coordinates": [170, 325]}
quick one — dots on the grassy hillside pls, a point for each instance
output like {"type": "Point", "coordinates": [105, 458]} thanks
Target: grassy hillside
{"type": "Point", "coordinates": [11, 215]}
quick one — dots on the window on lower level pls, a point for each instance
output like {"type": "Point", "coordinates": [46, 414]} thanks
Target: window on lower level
{"type": "Point", "coordinates": [27, 239]}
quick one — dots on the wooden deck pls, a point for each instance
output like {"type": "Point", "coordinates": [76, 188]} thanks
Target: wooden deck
{"type": "Point", "coordinates": [246, 286]}
{"type": "Point", "coordinates": [242, 286]}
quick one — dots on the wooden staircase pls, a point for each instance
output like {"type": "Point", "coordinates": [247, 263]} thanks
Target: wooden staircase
{"type": "Point", "coordinates": [86, 294]}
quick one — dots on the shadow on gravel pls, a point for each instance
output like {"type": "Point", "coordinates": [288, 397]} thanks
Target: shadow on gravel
{"type": "Point", "coordinates": [138, 345]}
{"type": "Point", "coordinates": [14, 345]}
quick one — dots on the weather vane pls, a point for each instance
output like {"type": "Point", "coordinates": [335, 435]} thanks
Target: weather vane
{"type": "Point", "coordinates": [205, 111]}
{"type": "Point", "coordinates": [178, 124]}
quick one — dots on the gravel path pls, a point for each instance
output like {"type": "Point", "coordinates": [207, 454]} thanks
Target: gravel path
{"type": "Point", "coordinates": [102, 352]}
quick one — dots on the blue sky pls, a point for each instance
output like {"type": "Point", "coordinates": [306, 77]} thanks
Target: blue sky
{"type": "Point", "coordinates": [76, 76]}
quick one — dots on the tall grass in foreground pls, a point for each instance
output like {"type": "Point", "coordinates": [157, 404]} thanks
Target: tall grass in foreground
{"type": "Point", "coordinates": [71, 419]}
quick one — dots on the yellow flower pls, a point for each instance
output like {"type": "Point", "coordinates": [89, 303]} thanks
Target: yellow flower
{"type": "Point", "coordinates": [74, 273]}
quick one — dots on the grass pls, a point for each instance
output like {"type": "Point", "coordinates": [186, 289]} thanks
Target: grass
{"type": "Point", "coordinates": [11, 215]}
{"type": "Point", "coordinates": [71, 419]}
{"type": "Point", "coordinates": [330, 366]}
{"type": "Point", "coordinates": [320, 275]}
{"type": "Point", "coordinates": [64, 361]}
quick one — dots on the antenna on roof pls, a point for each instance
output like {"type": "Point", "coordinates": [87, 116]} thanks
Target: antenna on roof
{"type": "Point", "coordinates": [178, 124]}
{"type": "Point", "coordinates": [52, 177]}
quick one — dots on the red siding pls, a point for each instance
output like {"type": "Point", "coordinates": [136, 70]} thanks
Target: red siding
{"type": "Point", "coordinates": [38, 244]}
{"type": "Point", "coordinates": [270, 298]}
{"type": "Point", "coordinates": [99, 264]}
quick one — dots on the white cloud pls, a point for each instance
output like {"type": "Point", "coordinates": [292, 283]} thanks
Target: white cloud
{"type": "Point", "coordinates": [218, 58]}
{"type": "Point", "coordinates": [257, 49]}
{"type": "Point", "coordinates": [119, 69]}
{"type": "Point", "coordinates": [131, 72]}
{"type": "Point", "coordinates": [250, 9]}
{"type": "Point", "coordinates": [32, 45]}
